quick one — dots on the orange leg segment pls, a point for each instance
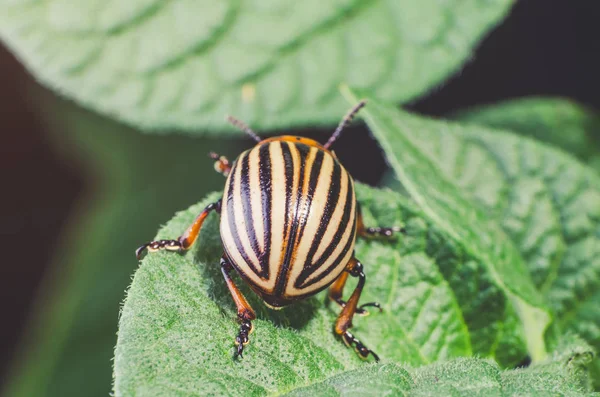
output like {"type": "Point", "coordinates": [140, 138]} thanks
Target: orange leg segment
{"type": "Point", "coordinates": [245, 313]}
{"type": "Point", "coordinates": [222, 165]}
{"type": "Point", "coordinates": [350, 307]}
{"type": "Point", "coordinates": [185, 241]}
{"type": "Point", "coordinates": [336, 290]}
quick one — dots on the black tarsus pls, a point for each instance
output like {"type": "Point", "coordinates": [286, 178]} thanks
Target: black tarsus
{"type": "Point", "coordinates": [159, 244]}
{"type": "Point", "coordinates": [242, 338]}
{"type": "Point", "coordinates": [384, 231]}
{"type": "Point", "coordinates": [361, 349]}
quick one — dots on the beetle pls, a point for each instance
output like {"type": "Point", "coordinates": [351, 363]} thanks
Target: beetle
{"type": "Point", "coordinates": [289, 222]}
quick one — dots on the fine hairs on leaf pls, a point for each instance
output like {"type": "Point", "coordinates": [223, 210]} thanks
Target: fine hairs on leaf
{"type": "Point", "coordinates": [178, 322]}
{"type": "Point", "coordinates": [175, 334]}
{"type": "Point", "coordinates": [181, 65]}
{"type": "Point", "coordinates": [464, 377]}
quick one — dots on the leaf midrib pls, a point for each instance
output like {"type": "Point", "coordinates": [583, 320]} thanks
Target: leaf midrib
{"type": "Point", "coordinates": [547, 180]}
{"type": "Point", "coordinates": [510, 180]}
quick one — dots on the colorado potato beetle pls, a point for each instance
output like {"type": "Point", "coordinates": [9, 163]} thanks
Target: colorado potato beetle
{"type": "Point", "coordinates": [289, 222]}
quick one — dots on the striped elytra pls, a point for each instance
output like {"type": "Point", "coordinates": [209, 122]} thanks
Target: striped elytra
{"type": "Point", "coordinates": [289, 221]}
{"type": "Point", "coordinates": [288, 218]}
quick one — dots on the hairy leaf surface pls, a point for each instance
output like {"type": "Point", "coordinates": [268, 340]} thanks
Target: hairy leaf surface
{"type": "Point", "coordinates": [175, 338]}
{"type": "Point", "coordinates": [185, 64]}
{"type": "Point", "coordinates": [564, 375]}
{"type": "Point", "coordinates": [178, 322]}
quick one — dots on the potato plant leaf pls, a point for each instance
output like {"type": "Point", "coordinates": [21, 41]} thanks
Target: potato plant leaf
{"type": "Point", "coordinates": [551, 203]}
{"type": "Point", "coordinates": [564, 374]}
{"type": "Point", "coordinates": [544, 199]}
{"type": "Point", "coordinates": [559, 122]}
{"type": "Point", "coordinates": [176, 330]}
{"type": "Point", "coordinates": [184, 64]}
{"type": "Point", "coordinates": [468, 226]}
{"type": "Point", "coordinates": [178, 321]}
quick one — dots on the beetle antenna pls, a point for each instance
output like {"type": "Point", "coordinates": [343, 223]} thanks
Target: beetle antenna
{"type": "Point", "coordinates": [242, 126]}
{"type": "Point", "coordinates": [345, 122]}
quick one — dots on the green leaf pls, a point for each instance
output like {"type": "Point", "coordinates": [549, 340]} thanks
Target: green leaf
{"type": "Point", "coordinates": [370, 380]}
{"type": "Point", "coordinates": [178, 322]}
{"type": "Point", "coordinates": [556, 121]}
{"type": "Point", "coordinates": [460, 377]}
{"type": "Point", "coordinates": [550, 203]}
{"type": "Point", "coordinates": [545, 200]}
{"type": "Point", "coordinates": [572, 358]}
{"type": "Point", "coordinates": [467, 225]}
{"type": "Point", "coordinates": [184, 64]}
{"type": "Point", "coordinates": [571, 127]}
{"type": "Point", "coordinates": [564, 373]}
{"type": "Point", "coordinates": [175, 340]}
{"type": "Point", "coordinates": [130, 189]}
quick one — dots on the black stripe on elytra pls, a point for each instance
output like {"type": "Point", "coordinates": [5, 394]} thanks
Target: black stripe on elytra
{"type": "Point", "coordinates": [332, 200]}
{"type": "Point", "coordinates": [247, 207]}
{"type": "Point", "coordinates": [334, 264]}
{"type": "Point", "coordinates": [243, 274]}
{"type": "Point", "coordinates": [336, 240]}
{"type": "Point", "coordinates": [232, 221]}
{"type": "Point", "coordinates": [264, 172]}
{"type": "Point", "coordinates": [289, 170]}
{"type": "Point", "coordinates": [282, 276]}
{"type": "Point", "coordinates": [315, 170]}
{"type": "Point", "coordinates": [327, 272]}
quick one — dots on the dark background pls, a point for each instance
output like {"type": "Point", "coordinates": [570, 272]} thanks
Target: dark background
{"type": "Point", "coordinates": [545, 47]}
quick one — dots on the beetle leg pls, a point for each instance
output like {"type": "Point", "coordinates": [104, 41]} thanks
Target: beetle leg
{"type": "Point", "coordinates": [374, 232]}
{"type": "Point", "coordinates": [185, 241]}
{"type": "Point", "coordinates": [335, 294]}
{"type": "Point", "coordinates": [344, 321]}
{"type": "Point", "coordinates": [222, 165]}
{"type": "Point", "coordinates": [245, 313]}
{"type": "Point", "coordinates": [337, 288]}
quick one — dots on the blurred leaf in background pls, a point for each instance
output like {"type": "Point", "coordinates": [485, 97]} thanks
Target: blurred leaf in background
{"type": "Point", "coordinates": [183, 64]}
{"type": "Point", "coordinates": [557, 121]}
{"type": "Point", "coordinates": [137, 183]}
